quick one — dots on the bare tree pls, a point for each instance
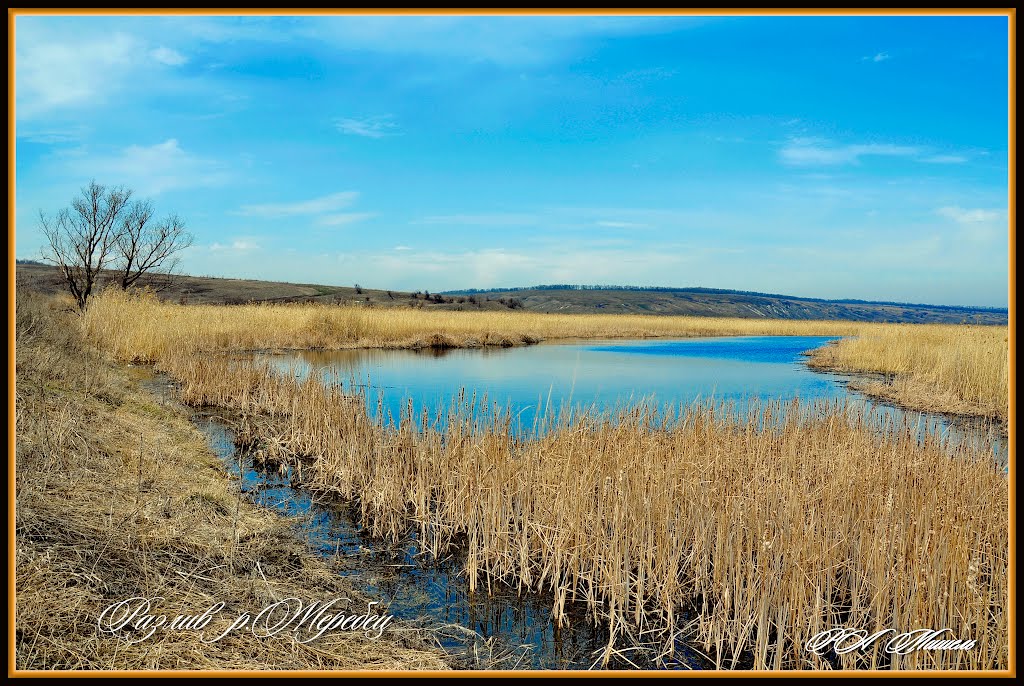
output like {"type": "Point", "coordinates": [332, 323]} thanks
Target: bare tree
{"type": "Point", "coordinates": [102, 230]}
{"type": "Point", "coordinates": [82, 237]}
{"type": "Point", "coordinates": [144, 246]}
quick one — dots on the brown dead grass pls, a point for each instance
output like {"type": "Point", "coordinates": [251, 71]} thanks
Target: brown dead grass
{"type": "Point", "coordinates": [768, 535]}
{"type": "Point", "coordinates": [118, 496]}
{"type": "Point", "coordinates": [959, 369]}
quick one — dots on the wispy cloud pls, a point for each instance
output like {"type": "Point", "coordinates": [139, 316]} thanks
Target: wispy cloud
{"type": "Point", "coordinates": [323, 204]}
{"type": "Point", "coordinates": [151, 169]}
{"type": "Point", "coordinates": [966, 216]}
{"type": "Point", "coordinates": [506, 41]}
{"type": "Point", "coordinates": [371, 127]}
{"type": "Point", "coordinates": [877, 57]}
{"type": "Point", "coordinates": [168, 56]}
{"type": "Point", "coordinates": [237, 246]}
{"type": "Point", "coordinates": [56, 72]}
{"type": "Point", "coordinates": [488, 219]}
{"type": "Point", "coordinates": [52, 136]}
{"type": "Point", "coordinates": [822, 152]}
{"type": "Point", "coordinates": [979, 226]}
{"type": "Point", "coordinates": [344, 218]}
{"type": "Point", "coordinates": [944, 159]}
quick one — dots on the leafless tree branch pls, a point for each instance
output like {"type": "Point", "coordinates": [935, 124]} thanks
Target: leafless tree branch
{"type": "Point", "coordinates": [145, 247]}
{"type": "Point", "coordinates": [101, 230]}
{"type": "Point", "coordinates": [81, 237]}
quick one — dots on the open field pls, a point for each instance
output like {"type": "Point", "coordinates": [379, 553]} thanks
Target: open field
{"type": "Point", "coordinates": [693, 302]}
{"type": "Point", "coordinates": [945, 368]}
{"type": "Point", "coordinates": [748, 541]}
{"type": "Point", "coordinates": [118, 495]}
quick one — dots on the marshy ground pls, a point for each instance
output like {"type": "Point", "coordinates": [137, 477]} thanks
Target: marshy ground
{"type": "Point", "coordinates": [769, 535]}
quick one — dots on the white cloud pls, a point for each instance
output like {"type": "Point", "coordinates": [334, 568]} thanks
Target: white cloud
{"type": "Point", "coordinates": [52, 135]}
{"type": "Point", "coordinates": [964, 216]}
{"type": "Point", "coordinates": [402, 247]}
{"type": "Point", "coordinates": [343, 218]}
{"type": "Point", "coordinates": [821, 152]}
{"type": "Point", "coordinates": [508, 41]}
{"type": "Point", "coordinates": [877, 57]}
{"type": "Point", "coordinates": [167, 56]}
{"type": "Point", "coordinates": [371, 127]}
{"type": "Point", "coordinates": [326, 203]}
{"type": "Point", "coordinates": [151, 170]}
{"type": "Point", "coordinates": [944, 159]}
{"type": "Point", "coordinates": [237, 246]}
{"type": "Point", "coordinates": [978, 225]}
{"type": "Point", "coordinates": [324, 211]}
{"type": "Point", "coordinates": [59, 72]}
{"type": "Point", "coordinates": [621, 225]}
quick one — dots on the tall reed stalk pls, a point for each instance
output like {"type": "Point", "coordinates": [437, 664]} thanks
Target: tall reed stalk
{"type": "Point", "coordinates": [961, 369]}
{"type": "Point", "coordinates": [766, 525]}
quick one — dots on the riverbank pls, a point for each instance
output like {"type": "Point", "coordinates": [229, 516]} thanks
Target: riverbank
{"type": "Point", "coordinates": [119, 496]}
{"type": "Point", "coordinates": [766, 525]}
{"type": "Point", "coordinates": [947, 370]}
{"type": "Point", "coordinates": [744, 527]}
{"type": "Point", "coordinates": [957, 369]}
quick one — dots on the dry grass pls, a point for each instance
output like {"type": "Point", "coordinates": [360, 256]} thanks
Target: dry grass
{"type": "Point", "coordinates": [958, 369]}
{"type": "Point", "coordinates": [142, 328]}
{"type": "Point", "coordinates": [119, 496]}
{"type": "Point", "coordinates": [767, 535]}
{"type": "Point", "coordinates": [955, 369]}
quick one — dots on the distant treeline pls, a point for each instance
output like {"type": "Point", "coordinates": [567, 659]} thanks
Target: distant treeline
{"type": "Point", "coordinates": [716, 291]}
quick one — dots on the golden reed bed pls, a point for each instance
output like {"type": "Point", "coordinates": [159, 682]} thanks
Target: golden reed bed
{"type": "Point", "coordinates": [947, 368]}
{"type": "Point", "coordinates": [765, 536]}
{"type": "Point", "coordinates": [749, 540]}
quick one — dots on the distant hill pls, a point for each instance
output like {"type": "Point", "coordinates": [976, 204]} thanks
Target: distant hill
{"type": "Point", "coordinates": [701, 302]}
{"type": "Point", "coordinates": [220, 291]}
{"type": "Point", "coordinates": [730, 303]}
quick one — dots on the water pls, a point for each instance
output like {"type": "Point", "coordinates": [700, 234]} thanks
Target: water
{"type": "Point", "coordinates": [500, 628]}
{"type": "Point", "coordinates": [529, 381]}
{"type": "Point", "coordinates": [504, 628]}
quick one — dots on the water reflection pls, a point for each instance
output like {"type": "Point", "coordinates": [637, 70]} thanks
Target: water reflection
{"type": "Point", "coordinates": [500, 628]}
{"type": "Point", "coordinates": [532, 382]}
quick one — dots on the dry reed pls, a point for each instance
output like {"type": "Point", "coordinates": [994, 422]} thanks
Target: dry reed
{"type": "Point", "coordinates": [956, 369]}
{"type": "Point", "coordinates": [947, 368]}
{"type": "Point", "coordinates": [98, 520]}
{"type": "Point", "coordinates": [768, 525]}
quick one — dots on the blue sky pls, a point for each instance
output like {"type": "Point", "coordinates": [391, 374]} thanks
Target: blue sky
{"type": "Point", "coordinates": [860, 157]}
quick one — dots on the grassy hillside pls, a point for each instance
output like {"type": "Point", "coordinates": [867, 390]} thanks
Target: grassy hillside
{"type": "Point", "coordinates": [715, 303]}
{"type": "Point", "coordinates": [204, 290]}
{"type": "Point", "coordinates": [686, 302]}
